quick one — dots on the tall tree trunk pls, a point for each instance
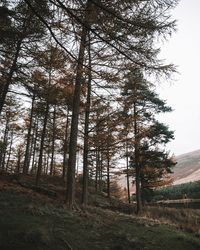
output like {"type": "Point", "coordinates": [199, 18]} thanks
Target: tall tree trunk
{"type": "Point", "coordinates": [35, 137]}
{"type": "Point", "coordinates": [100, 171]}
{"type": "Point", "coordinates": [97, 169]}
{"type": "Point", "coordinates": [108, 172]}
{"type": "Point", "coordinates": [5, 140]}
{"type": "Point", "coordinates": [39, 170]}
{"type": "Point", "coordinates": [70, 194]}
{"type": "Point", "coordinates": [31, 148]}
{"type": "Point", "coordinates": [10, 149]}
{"type": "Point", "coordinates": [48, 157]}
{"type": "Point", "coordinates": [17, 169]}
{"type": "Point", "coordinates": [9, 76]}
{"type": "Point", "coordinates": [77, 162]}
{"type": "Point", "coordinates": [46, 164]}
{"type": "Point", "coordinates": [86, 135]}
{"type": "Point", "coordinates": [137, 166]}
{"type": "Point", "coordinates": [127, 175]}
{"type": "Point", "coordinates": [65, 147]}
{"type": "Point", "coordinates": [13, 67]}
{"type": "Point", "coordinates": [53, 142]}
{"type": "Point", "coordinates": [27, 152]}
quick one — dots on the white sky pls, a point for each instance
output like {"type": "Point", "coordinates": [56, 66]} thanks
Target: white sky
{"type": "Point", "coordinates": [183, 50]}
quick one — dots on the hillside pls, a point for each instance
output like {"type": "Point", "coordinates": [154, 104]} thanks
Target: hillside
{"type": "Point", "coordinates": [187, 168]}
{"type": "Point", "coordinates": [36, 221]}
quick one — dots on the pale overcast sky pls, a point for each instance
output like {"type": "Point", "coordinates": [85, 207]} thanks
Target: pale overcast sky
{"type": "Point", "coordinates": [183, 49]}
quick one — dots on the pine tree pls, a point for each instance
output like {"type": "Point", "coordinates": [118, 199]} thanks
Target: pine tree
{"type": "Point", "coordinates": [142, 104]}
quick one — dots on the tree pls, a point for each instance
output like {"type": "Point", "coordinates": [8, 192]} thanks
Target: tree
{"type": "Point", "coordinates": [10, 129]}
{"type": "Point", "coordinates": [142, 103]}
{"type": "Point", "coordinates": [27, 151]}
{"type": "Point", "coordinates": [75, 110]}
{"type": "Point", "coordinates": [155, 172]}
{"type": "Point", "coordinates": [6, 30]}
{"type": "Point", "coordinates": [144, 22]}
{"type": "Point", "coordinates": [28, 28]}
{"type": "Point", "coordinates": [86, 132]}
{"type": "Point", "coordinates": [99, 42]}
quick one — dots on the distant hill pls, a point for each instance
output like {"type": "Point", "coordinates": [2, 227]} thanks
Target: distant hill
{"type": "Point", "coordinates": [187, 168]}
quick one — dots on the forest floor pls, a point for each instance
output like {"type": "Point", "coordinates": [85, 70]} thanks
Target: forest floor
{"type": "Point", "coordinates": [34, 220]}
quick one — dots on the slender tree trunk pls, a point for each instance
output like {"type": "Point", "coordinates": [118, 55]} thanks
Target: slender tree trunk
{"type": "Point", "coordinates": [86, 135]}
{"type": "Point", "coordinates": [31, 149]}
{"type": "Point", "coordinates": [100, 171]}
{"type": "Point", "coordinates": [46, 164]}
{"type": "Point", "coordinates": [10, 150]}
{"type": "Point", "coordinates": [27, 152]}
{"type": "Point", "coordinates": [65, 148]}
{"type": "Point", "coordinates": [9, 76]}
{"type": "Point", "coordinates": [35, 137]}
{"type": "Point", "coordinates": [48, 157]}
{"type": "Point", "coordinates": [39, 170]}
{"type": "Point", "coordinates": [17, 170]}
{"type": "Point", "coordinates": [108, 172]}
{"type": "Point", "coordinates": [77, 162]}
{"type": "Point", "coordinates": [137, 166]}
{"type": "Point", "coordinates": [70, 194]}
{"type": "Point", "coordinates": [97, 169]}
{"type": "Point", "coordinates": [127, 176]}
{"type": "Point", "coordinates": [1, 155]}
{"type": "Point", "coordinates": [53, 142]}
{"type": "Point", "coordinates": [5, 140]}
{"type": "Point", "coordinates": [13, 67]}
{"type": "Point", "coordinates": [3, 145]}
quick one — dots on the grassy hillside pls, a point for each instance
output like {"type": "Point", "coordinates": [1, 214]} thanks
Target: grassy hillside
{"type": "Point", "coordinates": [31, 220]}
{"type": "Point", "coordinates": [187, 168]}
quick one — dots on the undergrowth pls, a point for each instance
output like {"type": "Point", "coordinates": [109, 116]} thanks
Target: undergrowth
{"type": "Point", "coordinates": [31, 220]}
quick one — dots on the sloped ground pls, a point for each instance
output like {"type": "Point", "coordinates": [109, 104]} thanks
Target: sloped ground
{"type": "Point", "coordinates": [34, 221]}
{"type": "Point", "coordinates": [187, 168]}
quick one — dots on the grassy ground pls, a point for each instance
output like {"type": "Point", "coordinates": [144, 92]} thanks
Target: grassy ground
{"type": "Point", "coordinates": [32, 221]}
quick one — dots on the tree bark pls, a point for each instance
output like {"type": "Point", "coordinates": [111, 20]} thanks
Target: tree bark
{"type": "Point", "coordinates": [27, 152]}
{"type": "Point", "coordinates": [70, 194]}
{"type": "Point", "coordinates": [108, 172]}
{"type": "Point", "coordinates": [127, 176]}
{"type": "Point", "coordinates": [10, 149]}
{"type": "Point", "coordinates": [97, 169]}
{"type": "Point", "coordinates": [17, 169]}
{"type": "Point", "coordinates": [53, 142]}
{"type": "Point", "coordinates": [39, 170]}
{"type": "Point", "coordinates": [65, 148]}
{"type": "Point", "coordinates": [10, 75]}
{"type": "Point", "coordinates": [35, 137]}
{"type": "Point", "coordinates": [5, 140]}
{"type": "Point", "coordinates": [86, 136]}
{"type": "Point", "coordinates": [137, 166]}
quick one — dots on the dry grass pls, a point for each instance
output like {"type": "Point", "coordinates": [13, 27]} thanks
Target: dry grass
{"type": "Point", "coordinates": [183, 218]}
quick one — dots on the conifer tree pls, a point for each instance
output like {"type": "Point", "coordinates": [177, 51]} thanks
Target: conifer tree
{"type": "Point", "coordinates": [142, 104]}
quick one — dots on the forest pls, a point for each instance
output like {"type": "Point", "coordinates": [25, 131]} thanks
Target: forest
{"type": "Point", "coordinates": [78, 100]}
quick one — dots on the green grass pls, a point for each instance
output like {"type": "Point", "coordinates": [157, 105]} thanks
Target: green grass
{"type": "Point", "coordinates": [29, 222]}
